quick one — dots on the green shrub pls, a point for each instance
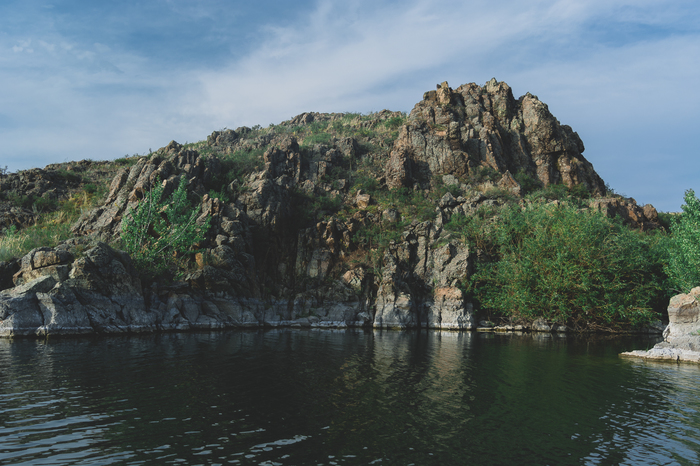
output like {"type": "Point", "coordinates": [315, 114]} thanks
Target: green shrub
{"type": "Point", "coordinates": [394, 122]}
{"type": "Point", "coordinates": [327, 204]}
{"type": "Point", "coordinates": [375, 238]}
{"type": "Point", "coordinates": [236, 166]}
{"type": "Point", "coordinates": [666, 219]}
{"type": "Point", "coordinates": [43, 204]}
{"type": "Point", "coordinates": [318, 138]}
{"type": "Point", "coordinates": [482, 174]}
{"type": "Point", "coordinates": [366, 183]}
{"type": "Point", "coordinates": [158, 230]}
{"type": "Point", "coordinates": [221, 195]}
{"type": "Point", "coordinates": [570, 266]}
{"type": "Point", "coordinates": [365, 133]}
{"type": "Point", "coordinates": [317, 126]}
{"type": "Point", "coordinates": [579, 191]}
{"type": "Point", "coordinates": [502, 194]}
{"type": "Point", "coordinates": [684, 263]}
{"type": "Point", "coordinates": [69, 176]}
{"type": "Point", "coordinates": [20, 201]}
{"type": "Point", "coordinates": [309, 209]}
{"type": "Point", "coordinates": [126, 161]}
{"type": "Point", "coordinates": [528, 182]}
{"type": "Point", "coordinates": [553, 192]}
{"type": "Point", "coordinates": [440, 188]}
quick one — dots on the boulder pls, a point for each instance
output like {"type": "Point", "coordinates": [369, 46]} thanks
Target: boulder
{"type": "Point", "coordinates": [682, 335]}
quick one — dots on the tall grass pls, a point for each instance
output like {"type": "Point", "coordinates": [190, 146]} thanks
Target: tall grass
{"type": "Point", "coordinates": [50, 228]}
{"type": "Point", "coordinates": [49, 231]}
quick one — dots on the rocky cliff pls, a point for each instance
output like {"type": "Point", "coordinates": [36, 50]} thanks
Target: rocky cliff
{"type": "Point", "coordinates": [454, 132]}
{"type": "Point", "coordinates": [325, 219]}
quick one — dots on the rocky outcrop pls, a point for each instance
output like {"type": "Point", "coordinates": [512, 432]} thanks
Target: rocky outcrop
{"type": "Point", "coordinates": [131, 184]}
{"type": "Point", "coordinates": [642, 217]}
{"type": "Point", "coordinates": [459, 131]}
{"type": "Point", "coordinates": [57, 294]}
{"type": "Point", "coordinates": [300, 222]}
{"type": "Point", "coordinates": [100, 292]}
{"type": "Point", "coordinates": [25, 194]}
{"type": "Point", "coordinates": [18, 217]}
{"type": "Point", "coordinates": [419, 284]}
{"type": "Point", "coordinates": [682, 335]}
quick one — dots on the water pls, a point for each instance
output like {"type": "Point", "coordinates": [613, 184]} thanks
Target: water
{"type": "Point", "coordinates": [293, 397]}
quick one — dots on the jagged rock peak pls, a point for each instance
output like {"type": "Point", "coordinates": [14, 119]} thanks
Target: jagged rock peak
{"type": "Point", "coordinates": [459, 131]}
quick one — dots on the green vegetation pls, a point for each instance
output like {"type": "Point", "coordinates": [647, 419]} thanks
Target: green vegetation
{"type": "Point", "coordinates": [309, 209]}
{"type": "Point", "coordinates": [50, 228]}
{"type": "Point", "coordinates": [126, 161]}
{"type": "Point", "coordinates": [69, 176]}
{"type": "Point", "coordinates": [527, 182]}
{"type": "Point", "coordinates": [482, 174]}
{"type": "Point", "coordinates": [684, 264]}
{"type": "Point", "coordinates": [235, 166]}
{"type": "Point", "coordinates": [317, 138]}
{"type": "Point", "coordinates": [50, 231]}
{"type": "Point", "coordinates": [565, 265]}
{"type": "Point", "coordinates": [160, 231]}
{"type": "Point", "coordinates": [533, 258]}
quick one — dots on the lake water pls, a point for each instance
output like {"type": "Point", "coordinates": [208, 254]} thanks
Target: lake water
{"type": "Point", "coordinates": [292, 397]}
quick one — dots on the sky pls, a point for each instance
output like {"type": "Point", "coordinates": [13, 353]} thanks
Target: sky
{"type": "Point", "coordinates": [100, 80]}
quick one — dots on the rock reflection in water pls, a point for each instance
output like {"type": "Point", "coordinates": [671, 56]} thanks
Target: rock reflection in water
{"type": "Point", "coordinates": [353, 397]}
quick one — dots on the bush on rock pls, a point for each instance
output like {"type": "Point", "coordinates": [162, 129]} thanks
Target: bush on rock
{"type": "Point", "coordinates": [158, 230]}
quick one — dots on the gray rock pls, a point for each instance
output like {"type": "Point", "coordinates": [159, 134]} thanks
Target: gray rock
{"type": "Point", "coordinates": [541, 325]}
{"type": "Point", "coordinates": [682, 335]}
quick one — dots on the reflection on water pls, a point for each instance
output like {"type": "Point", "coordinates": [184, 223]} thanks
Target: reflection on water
{"type": "Point", "coordinates": [344, 397]}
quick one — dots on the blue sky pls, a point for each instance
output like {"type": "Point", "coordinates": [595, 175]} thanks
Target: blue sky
{"type": "Point", "coordinates": [99, 80]}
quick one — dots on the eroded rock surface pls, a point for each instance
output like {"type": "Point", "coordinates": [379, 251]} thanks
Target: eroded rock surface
{"type": "Point", "coordinates": [682, 335]}
{"type": "Point", "coordinates": [457, 131]}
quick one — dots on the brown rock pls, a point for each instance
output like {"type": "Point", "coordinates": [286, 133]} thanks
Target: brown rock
{"type": "Point", "coordinates": [363, 200]}
{"type": "Point", "coordinates": [455, 131]}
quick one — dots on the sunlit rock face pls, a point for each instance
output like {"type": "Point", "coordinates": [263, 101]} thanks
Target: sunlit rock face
{"type": "Point", "coordinates": [459, 131]}
{"type": "Point", "coordinates": [682, 335]}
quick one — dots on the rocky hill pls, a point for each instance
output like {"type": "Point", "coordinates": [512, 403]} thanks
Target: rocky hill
{"type": "Point", "coordinates": [324, 220]}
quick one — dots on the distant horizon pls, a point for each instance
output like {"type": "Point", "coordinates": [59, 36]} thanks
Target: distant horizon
{"type": "Point", "coordinates": [84, 80]}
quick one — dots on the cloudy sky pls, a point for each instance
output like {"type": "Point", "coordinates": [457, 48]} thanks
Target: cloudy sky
{"type": "Point", "coordinates": [86, 79]}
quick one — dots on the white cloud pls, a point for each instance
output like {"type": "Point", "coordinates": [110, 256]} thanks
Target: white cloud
{"type": "Point", "coordinates": [23, 46]}
{"type": "Point", "coordinates": [340, 53]}
{"type": "Point", "coordinates": [586, 59]}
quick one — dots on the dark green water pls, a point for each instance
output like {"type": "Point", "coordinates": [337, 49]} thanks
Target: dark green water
{"type": "Point", "coordinates": [343, 397]}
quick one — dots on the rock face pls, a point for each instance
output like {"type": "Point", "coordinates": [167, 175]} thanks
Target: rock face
{"type": "Point", "coordinates": [419, 284]}
{"type": "Point", "coordinates": [457, 132]}
{"type": "Point", "coordinates": [57, 294]}
{"type": "Point", "coordinates": [644, 218]}
{"type": "Point", "coordinates": [682, 335]}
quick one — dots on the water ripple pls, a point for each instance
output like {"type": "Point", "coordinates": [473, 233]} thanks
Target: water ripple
{"type": "Point", "coordinates": [342, 397]}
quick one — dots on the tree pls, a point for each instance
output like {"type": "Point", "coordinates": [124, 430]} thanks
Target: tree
{"type": "Point", "coordinates": [570, 266]}
{"type": "Point", "coordinates": [158, 231]}
{"type": "Point", "coordinates": [684, 264]}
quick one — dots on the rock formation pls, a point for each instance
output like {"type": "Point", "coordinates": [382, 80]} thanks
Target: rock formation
{"type": "Point", "coordinates": [457, 131]}
{"type": "Point", "coordinates": [294, 237]}
{"type": "Point", "coordinates": [682, 335]}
